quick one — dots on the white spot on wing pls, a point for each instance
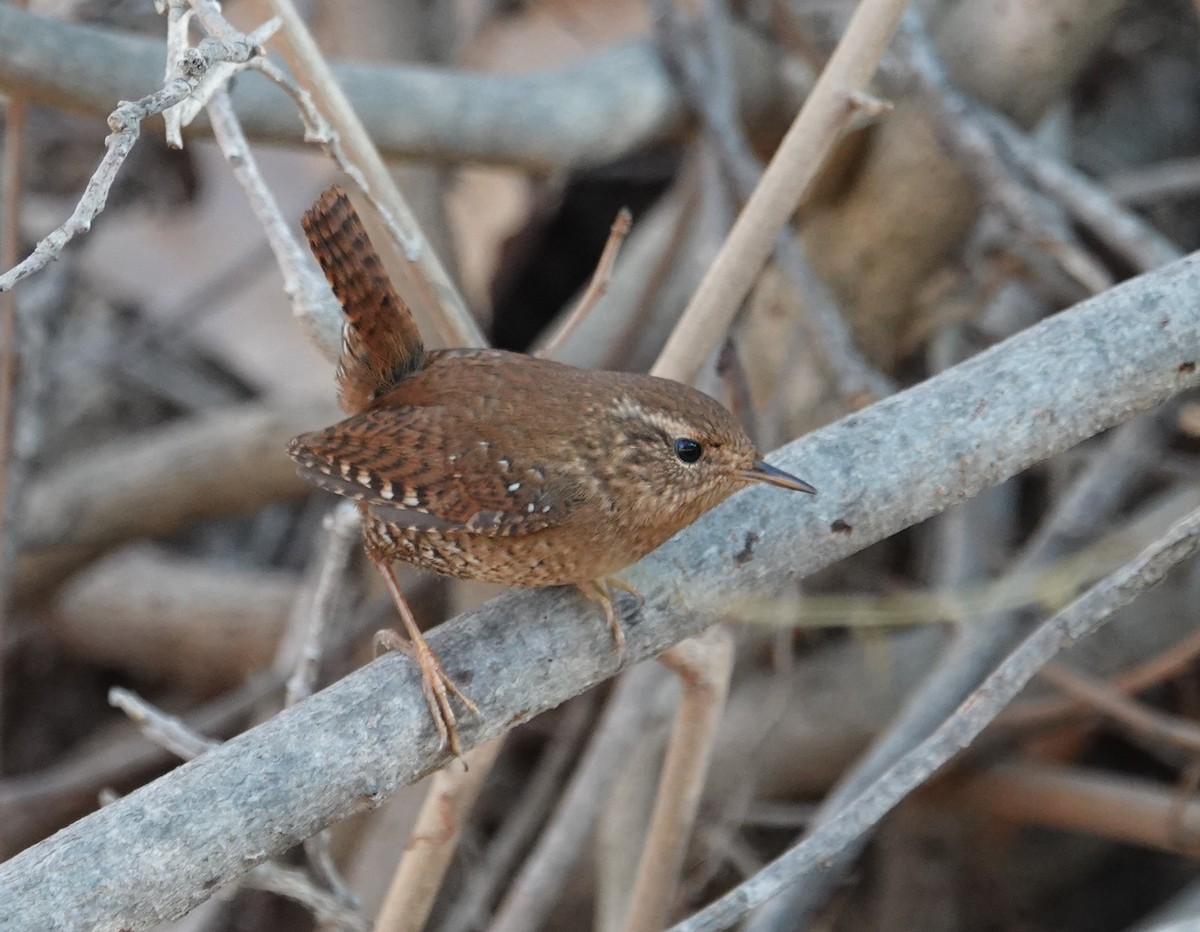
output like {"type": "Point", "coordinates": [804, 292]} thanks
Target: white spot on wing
{"type": "Point", "coordinates": [514, 487]}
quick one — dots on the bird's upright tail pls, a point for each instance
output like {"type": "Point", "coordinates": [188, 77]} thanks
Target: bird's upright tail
{"type": "Point", "coordinates": [380, 343]}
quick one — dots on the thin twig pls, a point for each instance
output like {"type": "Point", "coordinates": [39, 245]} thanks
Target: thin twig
{"type": "Point", "coordinates": [167, 731]}
{"type": "Point", "coordinates": [885, 468]}
{"type": "Point", "coordinates": [703, 666]}
{"type": "Point", "coordinates": [304, 645]}
{"type": "Point", "coordinates": [179, 18]}
{"type": "Point", "coordinates": [1121, 230]}
{"type": "Point", "coordinates": [343, 529]}
{"type": "Point", "coordinates": [596, 287]}
{"type": "Point", "coordinates": [535, 889]}
{"type": "Point", "coordinates": [1078, 620]}
{"type": "Point", "coordinates": [1148, 724]}
{"type": "Point", "coordinates": [434, 295]}
{"type": "Point", "coordinates": [313, 304]}
{"type": "Point", "coordinates": [854, 378]}
{"type": "Point", "coordinates": [293, 884]}
{"type": "Point", "coordinates": [795, 163]}
{"type": "Point", "coordinates": [1173, 662]}
{"type": "Point", "coordinates": [1028, 211]}
{"type": "Point", "coordinates": [125, 123]}
{"type": "Point", "coordinates": [1145, 184]}
{"type": "Point", "coordinates": [434, 840]}
{"type": "Point", "coordinates": [524, 819]}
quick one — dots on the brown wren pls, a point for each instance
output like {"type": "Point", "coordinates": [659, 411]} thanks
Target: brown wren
{"type": "Point", "coordinates": [485, 464]}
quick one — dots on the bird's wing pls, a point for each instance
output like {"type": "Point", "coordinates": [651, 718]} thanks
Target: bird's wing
{"type": "Point", "coordinates": [413, 469]}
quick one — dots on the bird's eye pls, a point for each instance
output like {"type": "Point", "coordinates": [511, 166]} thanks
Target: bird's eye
{"type": "Point", "coordinates": [688, 450]}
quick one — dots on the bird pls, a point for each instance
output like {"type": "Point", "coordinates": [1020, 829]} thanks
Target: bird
{"type": "Point", "coordinates": [492, 465]}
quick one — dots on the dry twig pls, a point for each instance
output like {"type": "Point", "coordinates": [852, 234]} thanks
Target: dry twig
{"type": "Point", "coordinates": [704, 666]}
{"type": "Point", "coordinates": [314, 613]}
{"type": "Point", "coordinates": [794, 165]}
{"type": "Point", "coordinates": [595, 289]}
{"type": "Point", "coordinates": [535, 889]}
{"type": "Point", "coordinates": [1122, 808]}
{"type": "Point", "coordinates": [855, 379]}
{"type": "Point", "coordinates": [434, 840]}
{"type": "Point", "coordinates": [594, 112]}
{"type": "Point", "coordinates": [1149, 726]}
{"type": "Point", "coordinates": [432, 294]}
{"type": "Point", "coordinates": [1018, 403]}
{"type": "Point", "coordinates": [1171, 663]}
{"type": "Point", "coordinates": [1081, 618]}
{"type": "Point", "coordinates": [524, 819]}
{"type": "Point", "coordinates": [125, 123]}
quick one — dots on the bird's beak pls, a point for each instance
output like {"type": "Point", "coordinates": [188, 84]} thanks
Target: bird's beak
{"type": "Point", "coordinates": [764, 472]}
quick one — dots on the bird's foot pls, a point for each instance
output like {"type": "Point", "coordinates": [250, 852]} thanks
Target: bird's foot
{"type": "Point", "coordinates": [436, 686]}
{"type": "Point", "coordinates": [600, 591]}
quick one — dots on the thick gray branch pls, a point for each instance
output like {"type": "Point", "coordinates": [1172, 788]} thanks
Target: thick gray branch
{"type": "Point", "coordinates": [163, 849]}
{"type": "Point", "coordinates": [619, 101]}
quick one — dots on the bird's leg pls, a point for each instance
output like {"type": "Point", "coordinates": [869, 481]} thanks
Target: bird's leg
{"type": "Point", "coordinates": [600, 590]}
{"type": "Point", "coordinates": [613, 583]}
{"type": "Point", "coordinates": [436, 686]}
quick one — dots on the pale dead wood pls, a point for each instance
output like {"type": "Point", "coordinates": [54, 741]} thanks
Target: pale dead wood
{"type": "Point", "coordinates": [794, 165]}
{"type": "Point", "coordinates": [125, 123]}
{"type": "Point", "coordinates": [227, 461]}
{"type": "Point", "coordinates": [433, 295]}
{"type": "Point", "coordinates": [1126, 809]}
{"type": "Point", "coordinates": [434, 840]}
{"type": "Point", "coordinates": [198, 625]}
{"type": "Point", "coordinates": [1089, 612]}
{"type": "Point", "coordinates": [628, 100]}
{"type": "Point", "coordinates": [996, 414]}
{"type": "Point", "coordinates": [524, 819]}
{"type": "Point", "coordinates": [704, 666]}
